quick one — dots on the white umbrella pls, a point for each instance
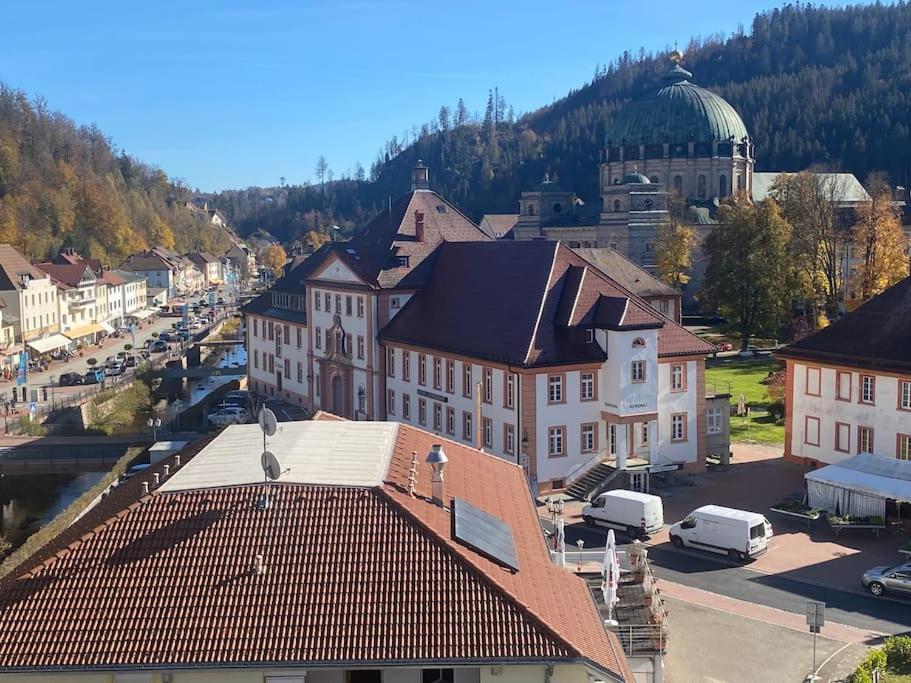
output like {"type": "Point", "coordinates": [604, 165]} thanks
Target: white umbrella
{"type": "Point", "coordinates": [561, 543]}
{"type": "Point", "coordinates": [610, 575]}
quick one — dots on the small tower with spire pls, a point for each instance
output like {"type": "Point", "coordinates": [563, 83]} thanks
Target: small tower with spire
{"type": "Point", "coordinates": [420, 177]}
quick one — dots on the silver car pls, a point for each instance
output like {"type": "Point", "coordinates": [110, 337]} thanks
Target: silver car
{"type": "Point", "coordinates": [895, 579]}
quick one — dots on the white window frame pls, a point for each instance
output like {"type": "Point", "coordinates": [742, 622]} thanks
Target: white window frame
{"type": "Point", "coordinates": [714, 421]}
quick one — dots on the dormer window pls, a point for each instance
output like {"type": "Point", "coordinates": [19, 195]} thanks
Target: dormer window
{"type": "Point", "coordinates": [394, 302]}
{"type": "Point", "coordinates": [638, 343]}
{"type": "Point", "coordinates": [441, 208]}
{"type": "Point", "coordinates": [402, 261]}
{"type": "Point", "coordinates": [590, 336]}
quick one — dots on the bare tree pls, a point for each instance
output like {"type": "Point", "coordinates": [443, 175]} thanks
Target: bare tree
{"type": "Point", "coordinates": [322, 169]}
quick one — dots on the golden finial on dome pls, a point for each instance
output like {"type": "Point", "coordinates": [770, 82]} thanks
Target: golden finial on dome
{"type": "Point", "coordinates": [676, 56]}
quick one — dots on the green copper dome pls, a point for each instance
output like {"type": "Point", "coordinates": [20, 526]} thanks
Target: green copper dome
{"type": "Point", "coordinates": [679, 112]}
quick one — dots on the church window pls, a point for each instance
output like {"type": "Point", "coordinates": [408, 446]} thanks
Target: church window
{"type": "Point", "coordinates": [739, 182]}
{"type": "Point", "coordinates": [701, 187]}
{"type": "Point", "coordinates": [531, 209]}
{"type": "Point", "coordinates": [678, 184]}
{"type": "Point", "coordinates": [723, 185]}
{"type": "Point", "coordinates": [616, 205]}
{"type": "Point", "coordinates": [558, 207]}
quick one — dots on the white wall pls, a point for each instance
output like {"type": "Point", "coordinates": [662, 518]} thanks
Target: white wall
{"type": "Point", "coordinates": [884, 417]}
{"type": "Point", "coordinates": [670, 402]}
{"type": "Point", "coordinates": [625, 397]}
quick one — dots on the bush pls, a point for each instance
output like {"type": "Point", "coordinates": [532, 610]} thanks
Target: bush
{"type": "Point", "coordinates": [875, 659]}
{"type": "Point", "coordinates": [776, 410]}
{"type": "Point", "coordinates": [897, 651]}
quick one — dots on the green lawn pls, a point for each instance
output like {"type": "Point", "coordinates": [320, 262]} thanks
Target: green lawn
{"type": "Point", "coordinates": [737, 376]}
{"type": "Point", "coordinates": [896, 678]}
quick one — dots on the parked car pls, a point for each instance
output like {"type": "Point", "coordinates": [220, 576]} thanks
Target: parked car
{"type": "Point", "coordinates": [130, 361]}
{"type": "Point", "coordinates": [109, 361]}
{"type": "Point", "coordinates": [183, 335]}
{"type": "Point", "coordinates": [725, 346]}
{"type": "Point", "coordinates": [738, 533]}
{"type": "Point", "coordinates": [229, 415]}
{"type": "Point", "coordinates": [886, 579]}
{"type": "Point", "coordinates": [69, 379]}
{"type": "Point", "coordinates": [195, 325]}
{"type": "Point", "coordinates": [114, 370]}
{"type": "Point", "coordinates": [159, 347]}
{"type": "Point", "coordinates": [638, 514]}
{"type": "Point", "coordinates": [221, 301]}
{"type": "Point", "coordinates": [166, 337]}
{"type": "Point", "coordinates": [90, 377]}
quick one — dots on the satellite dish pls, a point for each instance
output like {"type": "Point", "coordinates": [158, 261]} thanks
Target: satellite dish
{"type": "Point", "coordinates": [267, 422]}
{"type": "Point", "coordinates": [272, 468]}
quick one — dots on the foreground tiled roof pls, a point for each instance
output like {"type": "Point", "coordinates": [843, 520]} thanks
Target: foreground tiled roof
{"type": "Point", "coordinates": [352, 576]}
{"type": "Point", "coordinates": [876, 335]}
{"type": "Point", "coordinates": [526, 303]}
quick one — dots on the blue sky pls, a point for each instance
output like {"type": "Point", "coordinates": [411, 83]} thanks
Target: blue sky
{"type": "Point", "coordinates": [230, 94]}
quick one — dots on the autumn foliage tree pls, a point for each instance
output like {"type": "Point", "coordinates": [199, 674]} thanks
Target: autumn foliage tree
{"type": "Point", "coordinates": [674, 247]}
{"type": "Point", "coordinates": [878, 244]}
{"type": "Point", "coordinates": [749, 278]}
{"type": "Point", "coordinates": [274, 258]}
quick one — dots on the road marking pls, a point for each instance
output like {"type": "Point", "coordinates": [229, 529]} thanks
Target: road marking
{"type": "Point", "coordinates": [830, 658]}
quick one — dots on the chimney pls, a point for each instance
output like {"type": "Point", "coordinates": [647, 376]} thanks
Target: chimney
{"type": "Point", "coordinates": [259, 565]}
{"type": "Point", "coordinates": [419, 226]}
{"type": "Point", "coordinates": [145, 487]}
{"type": "Point", "coordinates": [420, 179]}
{"type": "Point", "coordinates": [156, 479]}
{"type": "Point", "coordinates": [177, 461]}
{"type": "Point", "coordinates": [166, 470]}
{"type": "Point", "coordinates": [437, 460]}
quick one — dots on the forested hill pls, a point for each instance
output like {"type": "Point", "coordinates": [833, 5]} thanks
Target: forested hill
{"type": "Point", "coordinates": [67, 186]}
{"type": "Point", "coordinates": [814, 85]}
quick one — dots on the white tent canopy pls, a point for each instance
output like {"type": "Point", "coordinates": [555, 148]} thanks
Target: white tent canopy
{"type": "Point", "coordinates": [860, 485]}
{"type": "Point", "coordinates": [46, 344]}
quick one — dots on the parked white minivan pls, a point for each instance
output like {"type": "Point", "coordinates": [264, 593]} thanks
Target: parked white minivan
{"type": "Point", "coordinates": [737, 533]}
{"type": "Point", "coordinates": [638, 514]}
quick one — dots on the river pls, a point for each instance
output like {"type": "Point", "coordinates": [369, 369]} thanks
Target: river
{"type": "Point", "coordinates": [28, 501]}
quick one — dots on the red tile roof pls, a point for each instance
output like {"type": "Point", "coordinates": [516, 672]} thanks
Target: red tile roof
{"type": "Point", "coordinates": [69, 274]}
{"type": "Point", "coordinates": [352, 575]}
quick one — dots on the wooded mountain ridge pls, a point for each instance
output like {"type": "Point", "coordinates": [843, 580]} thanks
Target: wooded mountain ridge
{"type": "Point", "coordinates": [814, 85]}
{"type": "Point", "coordinates": [63, 185]}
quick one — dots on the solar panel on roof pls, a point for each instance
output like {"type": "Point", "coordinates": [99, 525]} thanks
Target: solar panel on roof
{"type": "Point", "coordinates": [485, 533]}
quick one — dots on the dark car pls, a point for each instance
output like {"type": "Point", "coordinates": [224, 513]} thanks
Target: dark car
{"type": "Point", "coordinates": [90, 377]}
{"type": "Point", "coordinates": [131, 361]}
{"type": "Point", "coordinates": [221, 301]}
{"type": "Point", "coordinates": [69, 379]}
{"type": "Point", "coordinates": [184, 335]}
{"type": "Point", "coordinates": [159, 347]}
{"type": "Point", "coordinates": [166, 337]}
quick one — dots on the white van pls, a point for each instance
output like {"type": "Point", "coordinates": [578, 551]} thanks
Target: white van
{"type": "Point", "coordinates": [718, 529]}
{"type": "Point", "coordinates": [638, 514]}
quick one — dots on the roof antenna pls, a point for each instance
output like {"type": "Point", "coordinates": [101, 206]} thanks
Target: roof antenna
{"type": "Point", "coordinates": [272, 468]}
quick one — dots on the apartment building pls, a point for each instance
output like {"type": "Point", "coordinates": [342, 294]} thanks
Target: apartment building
{"type": "Point", "coordinates": [29, 296]}
{"type": "Point", "coordinates": [849, 384]}
{"type": "Point", "coordinates": [413, 513]}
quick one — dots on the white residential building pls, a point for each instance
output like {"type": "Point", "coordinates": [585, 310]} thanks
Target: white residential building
{"type": "Point", "coordinates": [849, 384]}
{"type": "Point", "coordinates": [30, 296]}
{"type": "Point", "coordinates": [525, 349]}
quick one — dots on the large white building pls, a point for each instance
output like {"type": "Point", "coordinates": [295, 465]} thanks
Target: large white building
{"type": "Point", "coordinates": [30, 299]}
{"type": "Point", "coordinates": [849, 384]}
{"type": "Point", "coordinates": [523, 348]}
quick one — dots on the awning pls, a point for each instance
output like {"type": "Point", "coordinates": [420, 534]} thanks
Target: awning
{"type": "Point", "coordinates": [860, 485]}
{"type": "Point", "coordinates": [107, 328]}
{"type": "Point", "coordinates": [142, 313]}
{"type": "Point", "coordinates": [54, 341]}
{"type": "Point", "coordinates": [84, 331]}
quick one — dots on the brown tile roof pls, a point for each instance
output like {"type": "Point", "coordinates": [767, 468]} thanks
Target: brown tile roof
{"type": "Point", "coordinates": [69, 274]}
{"type": "Point", "coordinates": [876, 335]}
{"type": "Point", "coordinates": [72, 257]}
{"type": "Point", "coordinates": [499, 223]}
{"type": "Point", "coordinates": [635, 278]}
{"type": "Point", "coordinates": [392, 234]}
{"type": "Point", "coordinates": [525, 303]}
{"type": "Point", "coordinates": [352, 575]}
{"type": "Point", "coordinates": [12, 266]}
{"type": "Point", "coordinates": [147, 262]}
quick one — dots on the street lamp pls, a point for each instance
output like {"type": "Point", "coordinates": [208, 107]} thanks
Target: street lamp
{"type": "Point", "coordinates": [555, 508]}
{"type": "Point", "coordinates": [154, 424]}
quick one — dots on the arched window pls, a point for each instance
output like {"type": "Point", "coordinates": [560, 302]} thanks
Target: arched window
{"type": "Point", "coordinates": [723, 185]}
{"type": "Point", "coordinates": [638, 343]}
{"type": "Point", "coordinates": [616, 205]}
{"type": "Point", "coordinates": [531, 209]}
{"type": "Point", "coordinates": [678, 184]}
{"type": "Point", "coordinates": [739, 182]}
{"type": "Point", "coordinates": [558, 207]}
{"type": "Point", "coordinates": [701, 187]}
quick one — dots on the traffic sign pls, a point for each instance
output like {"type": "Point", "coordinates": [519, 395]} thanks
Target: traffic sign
{"type": "Point", "coordinates": [816, 615]}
